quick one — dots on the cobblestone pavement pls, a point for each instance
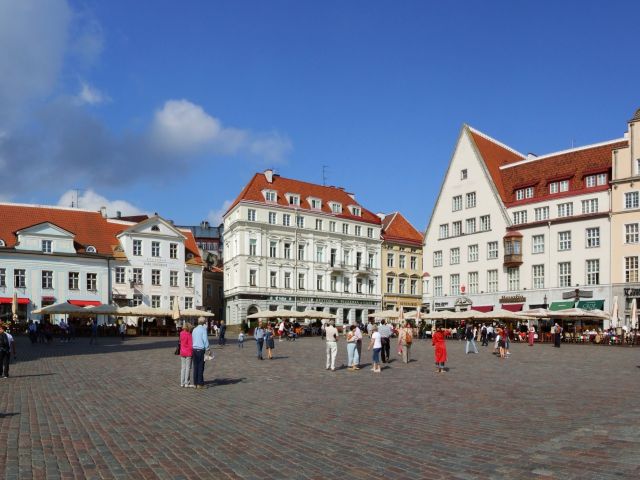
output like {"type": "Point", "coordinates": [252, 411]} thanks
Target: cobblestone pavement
{"type": "Point", "coordinates": [116, 411]}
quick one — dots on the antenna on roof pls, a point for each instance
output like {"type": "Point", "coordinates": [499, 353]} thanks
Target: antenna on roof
{"type": "Point", "coordinates": [324, 175]}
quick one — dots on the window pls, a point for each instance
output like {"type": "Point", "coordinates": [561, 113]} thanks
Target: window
{"type": "Point", "coordinates": [437, 286]}
{"type": "Point", "coordinates": [523, 193]}
{"type": "Point", "coordinates": [316, 204]}
{"type": "Point", "coordinates": [492, 280]}
{"type": "Point", "coordinates": [358, 231]}
{"type": "Point", "coordinates": [457, 203]}
{"type": "Point", "coordinates": [541, 213]}
{"type": "Point", "coordinates": [590, 181]}
{"type": "Point", "coordinates": [513, 278]}
{"type": "Point", "coordinates": [173, 278]}
{"type": "Point", "coordinates": [472, 253]}
{"type": "Point", "coordinates": [273, 249]}
{"type": "Point", "coordinates": [273, 279]}
{"type": "Point", "coordinates": [473, 282]}
{"type": "Point", "coordinates": [593, 272]}
{"type": "Point", "coordinates": [413, 262]}
{"type": "Point", "coordinates": [188, 302]}
{"type": "Point", "coordinates": [345, 228]}
{"type": "Point", "coordinates": [402, 261]}
{"type": "Point", "coordinates": [346, 257]}
{"type": "Point", "coordinates": [390, 260]}
{"type": "Point", "coordinates": [300, 221]}
{"type": "Point", "coordinates": [401, 286]}
{"type": "Point", "coordinates": [301, 282]}
{"type": "Point", "coordinates": [553, 187]}
{"type": "Point", "coordinates": [564, 186]}
{"type": "Point", "coordinates": [454, 287]}
{"type": "Point", "coordinates": [346, 284]}
{"type": "Point", "coordinates": [520, 217]}
{"type": "Point", "coordinates": [334, 283]}
{"type": "Point", "coordinates": [332, 226]}
{"type": "Point", "coordinates": [492, 250]}
{"type": "Point", "coordinates": [593, 180]}
{"type": "Point", "coordinates": [638, 166]}
{"type": "Point", "coordinates": [437, 258]}
{"type": "Point", "coordinates": [471, 199]}
{"type": "Point", "coordinates": [454, 256]}
{"type": "Point", "coordinates": [358, 260]}
{"type": "Point", "coordinates": [294, 200]}
{"type": "Point", "coordinates": [631, 200]}
{"type": "Point", "coordinates": [538, 276]}
{"type": "Point", "coordinates": [155, 277]}
{"type": "Point", "coordinates": [414, 287]}
{"type": "Point", "coordinates": [564, 274]}
{"type": "Point", "coordinates": [252, 278]}
{"type": "Point", "coordinates": [630, 269]}
{"type": "Point", "coordinates": [537, 242]}
{"type": "Point", "coordinates": [287, 251]}
{"type": "Point", "coordinates": [565, 209]}
{"type": "Point", "coordinates": [253, 245]}
{"type": "Point", "coordinates": [356, 211]}
{"type": "Point", "coordinates": [137, 300]}
{"type": "Point", "coordinates": [287, 280]}
{"type": "Point", "coordinates": [390, 284]}
{"type": "Point", "coordinates": [444, 230]}
{"type": "Point", "coordinates": [46, 246]}
{"type": "Point", "coordinates": [173, 250]}
{"type": "Point", "coordinates": [273, 218]}
{"type": "Point", "coordinates": [485, 223]}
{"type": "Point", "coordinates": [631, 233]}
{"type": "Point", "coordinates": [120, 275]}
{"type": "Point", "coordinates": [333, 257]}
{"type": "Point", "coordinates": [137, 247]}
{"type": "Point", "coordinates": [74, 280]}
{"type": "Point", "coordinates": [3, 277]}
{"type": "Point", "coordinates": [372, 260]}
{"type": "Point", "coordinates": [251, 215]}
{"type": "Point", "coordinates": [463, 174]}
{"type": "Point", "coordinates": [301, 251]}
{"type": "Point", "coordinates": [137, 276]}
{"type": "Point", "coordinates": [370, 232]}
{"type": "Point", "coordinates": [457, 228]}
{"type": "Point", "coordinates": [318, 224]}
{"type": "Point", "coordinates": [270, 196]}
{"type": "Point", "coordinates": [593, 237]}
{"type": "Point", "coordinates": [590, 205]}
{"type": "Point", "coordinates": [564, 241]}
{"type": "Point", "coordinates": [286, 219]}
{"type": "Point", "coordinates": [155, 301]}
{"type": "Point", "coordinates": [47, 279]}
{"type": "Point", "coordinates": [471, 225]}
{"type": "Point", "coordinates": [320, 283]}
{"type": "Point", "coordinates": [372, 287]}
{"type": "Point", "coordinates": [336, 207]}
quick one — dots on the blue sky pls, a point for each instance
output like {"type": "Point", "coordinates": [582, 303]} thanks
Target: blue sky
{"type": "Point", "coordinates": [171, 107]}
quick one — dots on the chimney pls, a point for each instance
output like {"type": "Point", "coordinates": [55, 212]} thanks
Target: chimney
{"type": "Point", "coordinates": [103, 212]}
{"type": "Point", "coordinates": [118, 214]}
{"type": "Point", "coordinates": [268, 174]}
{"type": "Point", "coordinates": [531, 156]}
{"type": "Point", "coordinates": [204, 224]}
{"type": "Point", "coordinates": [381, 216]}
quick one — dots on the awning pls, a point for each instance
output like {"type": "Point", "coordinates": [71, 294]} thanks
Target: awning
{"type": "Point", "coordinates": [48, 299]}
{"type": "Point", "coordinates": [482, 308]}
{"type": "Point", "coordinates": [591, 304]}
{"type": "Point", "coordinates": [85, 303]}
{"type": "Point", "coordinates": [555, 306]}
{"type": "Point", "coordinates": [9, 300]}
{"type": "Point", "coordinates": [513, 307]}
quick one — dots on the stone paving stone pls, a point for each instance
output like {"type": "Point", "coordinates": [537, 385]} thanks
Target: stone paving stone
{"type": "Point", "coordinates": [115, 410]}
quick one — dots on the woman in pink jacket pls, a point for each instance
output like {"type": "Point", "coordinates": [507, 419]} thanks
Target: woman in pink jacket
{"type": "Point", "coordinates": [186, 350]}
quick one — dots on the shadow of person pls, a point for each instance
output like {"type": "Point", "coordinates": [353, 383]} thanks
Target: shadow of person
{"type": "Point", "coordinates": [224, 381]}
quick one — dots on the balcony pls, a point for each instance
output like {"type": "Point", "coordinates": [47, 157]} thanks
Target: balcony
{"type": "Point", "coordinates": [512, 242]}
{"type": "Point", "coordinates": [337, 267]}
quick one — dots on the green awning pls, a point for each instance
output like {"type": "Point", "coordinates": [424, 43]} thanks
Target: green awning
{"type": "Point", "coordinates": [555, 306]}
{"type": "Point", "coordinates": [591, 304]}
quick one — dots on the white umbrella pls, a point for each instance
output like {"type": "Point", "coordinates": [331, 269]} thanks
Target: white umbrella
{"type": "Point", "coordinates": [14, 306]}
{"type": "Point", "coordinates": [277, 314]}
{"type": "Point", "coordinates": [634, 314]}
{"type": "Point", "coordinates": [415, 315]}
{"type": "Point", "coordinates": [175, 314]}
{"type": "Point", "coordinates": [193, 312]}
{"type": "Point", "coordinates": [103, 309]}
{"type": "Point", "coordinates": [502, 314]}
{"type": "Point", "coordinates": [536, 312]}
{"type": "Point", "coordinates": [319, 315]}
{"type": "Point", "coordinates": [143, 311]}
{"type": "Point", "coordinates": [61, 308]}
{"type": "Point", "coordinates": [448, 315]}
{"type": "Point", "coordinates": [614, 312]}
{"type": "Point", "coordinates": [386, 314]}
{"type": "Point", "coordinates": [578, 313]}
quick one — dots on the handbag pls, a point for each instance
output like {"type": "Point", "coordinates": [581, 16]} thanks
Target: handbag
{"type": "Point", "coordinates": [177, 352]}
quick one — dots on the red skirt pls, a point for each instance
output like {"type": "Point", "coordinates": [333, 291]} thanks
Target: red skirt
{"type": "Point", "coordinates": [440, 353]}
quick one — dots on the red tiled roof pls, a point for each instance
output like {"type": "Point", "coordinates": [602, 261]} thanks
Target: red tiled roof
{"type": "Point", "coordinates": [397, 228]}
{"type": "Point", "coordinates": [253, 192]}
{"type": "Point", "coordinates": [538, 173]}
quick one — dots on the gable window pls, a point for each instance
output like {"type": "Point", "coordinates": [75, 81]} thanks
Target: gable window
{"type": "Point", "coordinates": [541, 213]}
{"type": "Point", "coordinates": [273, 218]}
{"type": "Point", "coordinates": [356, 211]}
{"type": "Point", "coordinates": [593, 237]}
{"type": "Point", "coordinates": [173, 250]}
{"type": "Point", "coordinates": [631, 200]}
{"type": "Point", "coordinates": [523, 193]}
{"type": "Point", "coordinates": [520, 217]}
{"type": "Point", "coordinates": [463, 174]}
{"type": "Point", "coordinates": [485, 223]}
{"type": "Point", "coordinates": [457, 203]}
{"type": "Point", "coordinates": [565, 209]}
{"type": "Point", "coordinates": [471, 199]}
{"type": "Point", "coordinates": [251, 215]}
{"type": "Point", "coordinates": [590, 205]}
{"type": "Point", "coordinates": [74, 281]}
{"type": "Point", "coordinates": [155, 249]}
{"type": "Point", "coordinates": [92, 282]}
{"type": "Point", "coordinates": [137, 247]}
{"type": "Point", "coordinates": [47, 279]}
{"type": "Point", "coordinates": [46, 246]}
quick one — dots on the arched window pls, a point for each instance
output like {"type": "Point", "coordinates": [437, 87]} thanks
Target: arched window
{"type": "Point", "coordinates": [91, 249]}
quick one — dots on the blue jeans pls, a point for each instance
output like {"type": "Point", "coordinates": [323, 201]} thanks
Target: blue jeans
{"type": "Point", "coordinates": [259, 345]}
{"type": "Point", "coordinates": [376, 355]}
{"type": "Point", "coordinates": [198, 367]}
{"type": "Point", "coordinates": [353, 359]}
{"type": "Point", "coordinates": [471, 342]}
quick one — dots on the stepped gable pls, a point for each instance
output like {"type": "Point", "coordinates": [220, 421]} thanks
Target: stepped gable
{"type": "Point", "coordinates": [395, 227]}
{"type": "Point", "coordinates": [252, 192]}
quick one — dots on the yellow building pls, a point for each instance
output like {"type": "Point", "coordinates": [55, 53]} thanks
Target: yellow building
{"type": "Point", "coordinates": [625, 222]}
{"type": "Point", "coordinates": [401, 263]}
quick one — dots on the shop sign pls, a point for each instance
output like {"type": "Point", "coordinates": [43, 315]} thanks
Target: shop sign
{"type": "Point", "coordinates": [513, 299]}
{"type": "Point", "coordinates": [632, 292]}
{"type": "Point", "coordinates": [441, 304]}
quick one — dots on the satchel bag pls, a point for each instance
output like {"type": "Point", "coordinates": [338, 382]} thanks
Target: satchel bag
{"type": "Point", "coordinates": [177, 352]}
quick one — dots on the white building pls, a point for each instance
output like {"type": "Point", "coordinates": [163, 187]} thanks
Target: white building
{"type": "Point", "coordinates": [520, 231]}
{"type": "Point", "coordinates": [296, 245]}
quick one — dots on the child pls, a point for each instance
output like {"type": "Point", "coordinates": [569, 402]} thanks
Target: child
{"type": "Point", "coordinates": [241, 340]}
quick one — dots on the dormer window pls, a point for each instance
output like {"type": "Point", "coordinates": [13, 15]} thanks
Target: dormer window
{"type": "Point", "coordinates": [293, 199]}
{"type": "Point", "coordinates": [523, 193]}
{"type": "Point", "coordinates": [561, 186]}
{"type": "Point", "coordinates": [315, 203]}
{"type": "Point", "coordinates": [90, 249]}
{"type": "Point", "coordinates": [336, 207]}
{"type": "Point", "coordinates": [591, 181]}
{"type": "Point", "coordinates": [270, 196]}
{"type": "Point", "coordinates": [356, 211]}
{"type": "Point", "coordinates": [46, 246]}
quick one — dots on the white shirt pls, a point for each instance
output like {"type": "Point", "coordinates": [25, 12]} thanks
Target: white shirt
{"type": "Point", "coordinates": [377, 340]}
{"type": "Point", "coordinates": [331, 333]}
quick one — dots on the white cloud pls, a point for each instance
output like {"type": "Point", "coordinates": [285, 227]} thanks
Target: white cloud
{"type": "Point", "coordinates": [215, 216]}
{"type": "Point", "coordinates": [90, 200]}
{"type": "Point", "coordinates": [90, 95]}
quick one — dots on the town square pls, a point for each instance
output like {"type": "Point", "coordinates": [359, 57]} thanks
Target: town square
{"type": "Point", "coordinates": [314, 240]}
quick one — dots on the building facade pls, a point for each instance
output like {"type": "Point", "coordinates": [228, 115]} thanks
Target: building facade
{"type": "Point", "coordinates": [297, 245]}
{"type": "Point", "coordinates": [401, 280]}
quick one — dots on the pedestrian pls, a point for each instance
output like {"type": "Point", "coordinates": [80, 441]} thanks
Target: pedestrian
{"type": "Point", "coordinates": [241, 339]}
{"type": "Point", "coordinates": [405, 339]}
{"type": "Point", "coordinates": [507, 340]}
{"type": "Point", "coordinates": [200, 344]}
{"type": "Point", "coordinates": [471, 341]}
{"type": "Point", "coordinates": [352, 349]}
{"type": "Point", "coordinates": [63, 331]}
{"type": "Point", "coordinates": [500, 342]}
{"type": "Point", "coordinates": [123, 329]}
{"type": "Point", "coordinates": [376, 345]}
{"type": "Point", "coordinates": [258, 334]}
{"type": "Point", "coordinates": [483, 335]}
{"type": "Point", "coordinates": [5, 351]}
{"type": "Point", "coordinates": [222, 331]}
{"type": "Point", "coordinates": [280, 330]}
{"type": "Point", "coordinates": [269, 341]}
{"type": "Point", "coordinates": [439, 350]}
{"type": "Point", "coordinates": [33, 331]}
{"type": "Point", "coordinates": [557, 335]}
{"type": "Point", "coordinates": [370, 326]}
{"type": "Point", "coordinates": [186, 352]}
{"type": "Point", "coordinates": [531, 335]}
{"type": "Point", "coordinates": [94, 332]}
{"type": "Point", "coordinates": [358, 335]}
{"type": "Point", "coordinates": [385, 337]}
{"type": "Point", "coordinates": [331, 333]}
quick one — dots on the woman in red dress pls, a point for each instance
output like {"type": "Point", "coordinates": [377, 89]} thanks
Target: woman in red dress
{"type": "Point", "coordinates": [440, 349]}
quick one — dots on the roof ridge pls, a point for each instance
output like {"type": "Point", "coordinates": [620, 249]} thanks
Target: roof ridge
{"type": "Point", "coordinates": [497, 142]}
{"type": "Point", "coordinates": [561, 152]}
{"type": "Point", "coordinates": [56, 207]}
{"type": "Point", "coordinates": [341, 189]}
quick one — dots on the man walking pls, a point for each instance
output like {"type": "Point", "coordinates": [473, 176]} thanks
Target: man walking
{"type": "Point", "coordinates": [200, 341]}
{"type": "Point", "coordinates": [331, 333]}
{"type": "Point", "coordinates": [5, 352]}
{"type": "Point", "coordinates": [358, 336]}
{"type": "Point", "coordinates": [385, 335]}
{"type": "Point", "coordinates": [483, 336]}
{"type": "Point", "coordinates": [221, 333]}
{"type": "Point", "coordinates": [258, 334]}
{"type": "Point", "coordinates": [94, 332]}
{"type": "Point", "coordinates": [471, 341]}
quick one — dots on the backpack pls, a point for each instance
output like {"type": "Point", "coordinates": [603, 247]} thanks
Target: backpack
{"type": "Point", "coordinates": [408, 336]}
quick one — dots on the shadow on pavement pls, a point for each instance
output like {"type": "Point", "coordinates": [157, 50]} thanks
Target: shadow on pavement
{"type": "Point", "coordinates": [224, 381]}
{"type": "Point", "coordinates": [12, 414]}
